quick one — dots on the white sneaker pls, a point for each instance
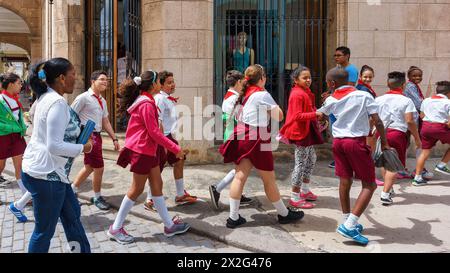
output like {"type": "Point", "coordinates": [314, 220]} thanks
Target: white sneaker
{"type": "Point", "coordinates": [120, 236]}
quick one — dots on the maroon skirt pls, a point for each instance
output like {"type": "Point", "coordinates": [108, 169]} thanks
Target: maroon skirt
{"type": "Point", "coordinates": [251, 143]}
{"type": "Point", "coordinates": [140, 163]}
{"type": "Point", "coordinates": [12, 145]}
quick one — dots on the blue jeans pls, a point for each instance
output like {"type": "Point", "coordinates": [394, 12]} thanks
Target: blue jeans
{"type": "Point", "coordinates": [53, 200]}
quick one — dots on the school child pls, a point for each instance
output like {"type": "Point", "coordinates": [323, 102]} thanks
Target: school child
{"type": "Point", "coordinates": [92, 106]}
{"type": "Point", "coordinates": [12, 131]}
{"type": "Point", "coordinates": [141, 146]}
{"type": "Point", "coordinates": [414, 92]}
{"type": "Point", "coordinates": [250, 147]}
{"type": "Point", "coordinates": [302, 130]}
{"type": "Point", "coordinates": [365, 80]}
{"type": "Point", "coordinates": [435, 112]}
{"type": "Point", "coordinates": [352, 109]}
{"type": "Point", "coordinates": [168, 116]}
{"type": "Point", "coordinates": [234, 80]}
{"type": "Point", "coordinates": [397, 113]}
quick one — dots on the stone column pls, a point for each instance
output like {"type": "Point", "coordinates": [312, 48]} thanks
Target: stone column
{"type": "Point", "coordinates": [178, 36]}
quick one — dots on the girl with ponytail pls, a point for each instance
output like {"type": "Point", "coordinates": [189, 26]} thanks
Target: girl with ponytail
{"type": "Point", "coordinates": [248, 147]}
{"type": "Point", "coordinates": [141, 152]}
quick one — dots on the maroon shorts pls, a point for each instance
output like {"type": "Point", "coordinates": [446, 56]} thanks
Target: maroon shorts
{"type": "Point", "coordinates": [11, 146]}
{"type": "Point", "coordinates": [171, 158]}
{"type": "Point", "coordinates": [399, 141]}
{"type": "Point", "coordinates": [95, 158]}
{"type": "Point", "coordinates": [353, 159]}
{"type": "Point", "coordinates": [140, 163]}
{"type": "Point", "coordinates": [257, 151]}
{"type": "Point", "coordinates": [434, 132]}
{"type": "Point", "coordinates": [162, 155]}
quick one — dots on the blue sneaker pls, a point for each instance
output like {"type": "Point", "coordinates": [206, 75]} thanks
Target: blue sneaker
{"type": "Point", "coordinates": [19, 215]}
{"type": "Point", "coordinates": [178, 228]}
{"type": "Point", "coordinates": [353, 234]}
{"type": "Point", "coordinates": [359, 228]}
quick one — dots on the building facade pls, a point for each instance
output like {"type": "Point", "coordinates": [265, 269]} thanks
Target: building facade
{"type": "Point", "coordinates": [200, 40]}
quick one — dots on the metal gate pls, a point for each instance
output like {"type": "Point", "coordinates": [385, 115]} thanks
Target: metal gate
{"type": "Point", "coordinates": [278, 34]}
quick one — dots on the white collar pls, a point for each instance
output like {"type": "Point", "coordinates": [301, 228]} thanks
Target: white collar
{"type": "Point", "coordinates": [91, 92]}
{"type": "Point", "coordinates": [233, 91]}
{"type": "Point", "coordinates": [442, 96]}
{"type": "Point", "coordinates": [164, 94]}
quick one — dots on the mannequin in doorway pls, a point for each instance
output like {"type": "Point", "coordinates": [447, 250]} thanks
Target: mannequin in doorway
{"type": "Point", "coordinates": [243, 56]}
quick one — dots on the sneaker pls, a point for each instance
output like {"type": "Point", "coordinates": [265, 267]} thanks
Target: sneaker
{"type": "Point", "coordinates": [149, 205]}
{"type": "Point", "coordinates": [234, 224]}
{"type": "Point", "coordinates": [404, 175]}
{"type": "Point", "coordinates": [309, 196]}
{"type": "Point", "coordinates": [379, 183]}
{"type": "Point", "coordinates": [292, 216]}
{"type": "Point", "coordinates": [359, 228]}
{"type": "Point", "coordinates": [215, 196]}
{"type": "Point", "coordinates": [185, 199]}
{"type": "Point", "coordinates": [427, 175]}
{"type": "Point", "coordinates": [100, 203]}
{"type": "Point", "coordinates": [353, 234]}
{"type": "Point", "coordinates": [444, 170]}
{"type": "Point", "coordinates": [178, 227]}
{"type": "Point", "coordinates": [301, 204]}
{"type": "Point", "coordinates": [419, 182]}
{"type": "Point", "coordinates": [2, 179]}
{"type": "Point", "coordinates": [332, 165]}
{"type": "Point", "coordinates": [246, 200]}
{"type": "Point", "coordinates": [392, 192]}
{"type": "Point", "coordinates": [19, 214]}
{"type": "Point", "coordinates": [120, 236]}
{"type": "Point", "coordinates": [387, 201]}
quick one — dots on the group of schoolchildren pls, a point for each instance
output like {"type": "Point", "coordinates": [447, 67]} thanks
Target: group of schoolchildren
{"type": "Point", "coordinates": [358, 117]}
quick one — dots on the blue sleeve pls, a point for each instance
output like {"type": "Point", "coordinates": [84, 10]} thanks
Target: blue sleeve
{"type": "Point", "coordinates": [353, 74]}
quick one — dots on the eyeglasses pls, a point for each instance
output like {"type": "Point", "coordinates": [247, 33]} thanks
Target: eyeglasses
{"type": "Point", "coordinates": [338, 55]}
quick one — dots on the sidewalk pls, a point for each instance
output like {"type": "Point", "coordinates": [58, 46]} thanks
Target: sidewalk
{"type": "Point", "coordinates": [417, 222]}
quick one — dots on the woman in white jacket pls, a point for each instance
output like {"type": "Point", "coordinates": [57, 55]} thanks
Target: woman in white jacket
{"type": "Point", "coordinates": [49, 157]}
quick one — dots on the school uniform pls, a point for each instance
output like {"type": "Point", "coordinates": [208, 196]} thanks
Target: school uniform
{"type": "Point", "coordinates": [89, 106]}
{"type": "Point", "coordinates": [352, 109]}
{"type": "Point", "coordinates": [435, 124]}
{"type": "Point", "coordinates": [169, 119]}
{"type": "Point", "coordinates": [361, 86]}
{"type": "Point", "coordinates": [251, 137]}
{"type": "Point", "coordinates": [392, 109]}
{"type": "Point", "coordinates": [228, 105]}
{"type": "Point", "coordinates": [143, 137]}
{"type": "Point", "coordinates": [12, 127]}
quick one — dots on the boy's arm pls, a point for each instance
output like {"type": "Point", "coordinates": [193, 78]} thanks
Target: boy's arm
{"type": "Point", "coordinates": [412, 127]}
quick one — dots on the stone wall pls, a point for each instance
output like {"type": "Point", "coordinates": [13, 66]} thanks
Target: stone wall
{"type": "Point", "coordinates": [395, 34]}
{"type": "Point", "coordinates": [178, 36]}
{"type": "Point", "coordinates": [31, 12]}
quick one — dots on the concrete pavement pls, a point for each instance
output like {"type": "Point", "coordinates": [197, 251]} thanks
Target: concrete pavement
{"type": "Point", "coordinates": [417, 222]}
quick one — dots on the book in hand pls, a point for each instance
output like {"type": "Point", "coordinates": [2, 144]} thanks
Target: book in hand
{"type": "Point", "coordinates": [86, 132]}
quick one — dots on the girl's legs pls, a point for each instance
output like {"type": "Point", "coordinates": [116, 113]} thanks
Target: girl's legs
{"type": "Point", "coordinates": [156, 185]}
{"type": "Point", "coordinates": [389, 181]}
{"type": "Point", "coordinates": [17, 161]}
{"type": "Point", "coordinates": [420, 165]}
{"type": "Point", "coordinates": [305, 160]}
{"type": "Point", "coordinates": [272, 192]}
{"type": "Point", "coordinates": [237, 187]}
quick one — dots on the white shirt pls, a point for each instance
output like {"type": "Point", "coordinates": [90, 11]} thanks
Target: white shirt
{"type": "Point", "coordinates": [255, 111]}
{"type": "Point", "coordinates": [352, 113]}
{"type": "Point", "coordinates": [229, 103]}
{"type": "Point", "coordinates": [48, 153]}
{"type": "Point", "coordinates": [13, 105]}
{"type": "Point", "coordinates": [88, 107]}
{"type": "Point", "coordinates": [168, 115]}
{"type": "Point", "coordinates": [392, 109]}
{"type": "Point", "coordinates": [436, 110]}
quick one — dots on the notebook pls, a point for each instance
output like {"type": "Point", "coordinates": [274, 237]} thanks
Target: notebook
{"type": "Point", "coordinates": [86, 132]}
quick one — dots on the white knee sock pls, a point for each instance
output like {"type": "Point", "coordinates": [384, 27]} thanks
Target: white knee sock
{"type": "Point", "coordinates": [179, 183]}
{"type": "Point", "coordinates": [75, 188]}
{"type": "Point", "coordinates": [305, 188]}
{"type": "Point", "coordinates": [20, 205]}
{"type": "Point", "coordinates": [281, 208]}
{"type": "Point", "coordinates": [149, 194]}
{"type": "Point", "coordinates": [97, 194]}
{"type": "Point", "coordinates": [351, 222]}
{"type": "Point", "coordinates": [345, 217]}
{"type": "Point", "coordinates": [161, 207]}
{"type": "Point", "coordinates": [234, 209]}
{"type": "Point", "coordinates": [125, 208]}
{"type": "Point", "coordinates": [226, 181]}
{"type": "Point", "coordinates": [295, 196]}
{"type": "Point", "coordinates": [21, 186]}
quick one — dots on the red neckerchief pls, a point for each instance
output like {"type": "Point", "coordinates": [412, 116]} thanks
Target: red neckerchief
{"type": "Point", "coordinates": [437, 97]}
{"type": "Point", "coordinates": [175, 100]}
{"type": "Point", "coordinates": [360, 82]}
{"type": "Point", "coordinates": [420, 90]}
{"type": "Point", "coordinates": [228, 95]}
{"type": "Point", "coordinates": [397, 91]}
{"type": "Point", "coordinates": [252, 89]}
{"type": "Point", "coordinates": [99, 100]}
{"type": "Point", "coordinates": [13, 97]}
{"type": "Point", "coordinates": [342, 92]}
